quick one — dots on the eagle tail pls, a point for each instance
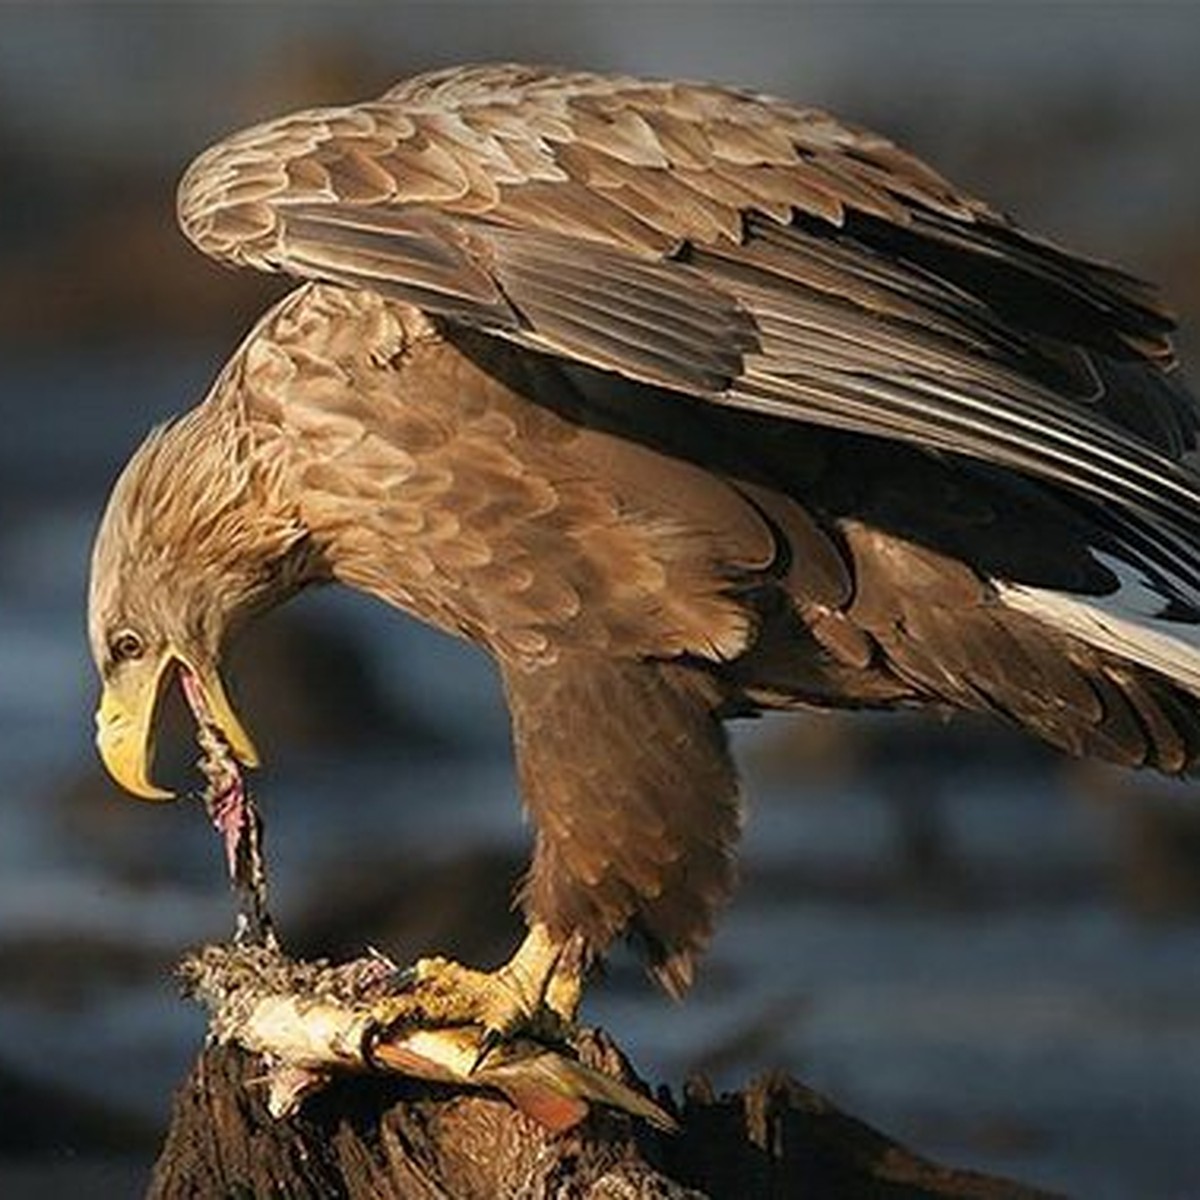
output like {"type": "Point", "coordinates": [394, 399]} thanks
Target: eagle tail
{"type": "Point", "coordinates": [1140, 621]}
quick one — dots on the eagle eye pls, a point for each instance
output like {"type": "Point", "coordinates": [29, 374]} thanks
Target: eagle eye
{"type": "Point", "coordinates": [125, 646]}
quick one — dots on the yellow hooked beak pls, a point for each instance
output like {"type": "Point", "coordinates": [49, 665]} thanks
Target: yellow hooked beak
{"type": "Point", "coordinates": [125, 721]}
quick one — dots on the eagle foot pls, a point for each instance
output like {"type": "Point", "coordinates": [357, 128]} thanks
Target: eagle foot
{"type": "Point", "coordinates": [312, 1021]}
{"type": "Point", "coordinates": [535, 994]}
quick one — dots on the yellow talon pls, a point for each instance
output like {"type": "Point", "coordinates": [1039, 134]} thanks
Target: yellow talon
{"type": "Point", "coordinates": [536, 992]}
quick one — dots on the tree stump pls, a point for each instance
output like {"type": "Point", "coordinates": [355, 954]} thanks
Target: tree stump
{"type": "Point", "coordinates": [375, 1138]}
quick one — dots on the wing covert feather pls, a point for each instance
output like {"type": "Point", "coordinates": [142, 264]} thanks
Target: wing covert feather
{"type": "Point", "coordinates": [730, 246]}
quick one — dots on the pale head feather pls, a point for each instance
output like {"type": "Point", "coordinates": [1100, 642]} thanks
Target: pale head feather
{"type": "Point", "coordinates": [194, 537]}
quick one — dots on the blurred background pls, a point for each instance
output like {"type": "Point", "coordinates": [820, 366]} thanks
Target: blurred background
{"type": "Point", "coordinates": [988, 951]}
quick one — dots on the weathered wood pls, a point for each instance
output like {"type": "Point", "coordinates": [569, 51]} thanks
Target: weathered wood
{"type": "Point", "coordinates": [375, 1138]}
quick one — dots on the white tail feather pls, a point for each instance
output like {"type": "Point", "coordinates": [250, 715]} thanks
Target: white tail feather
{"type": "Point", "coordinates": [1127, 622]}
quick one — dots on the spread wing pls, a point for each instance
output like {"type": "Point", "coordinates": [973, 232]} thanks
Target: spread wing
{"type": "Point", "coordinates": [733, 248]}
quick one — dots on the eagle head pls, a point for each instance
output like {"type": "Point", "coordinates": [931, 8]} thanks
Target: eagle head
{"type": "Point", "coordinates": [189, 547]}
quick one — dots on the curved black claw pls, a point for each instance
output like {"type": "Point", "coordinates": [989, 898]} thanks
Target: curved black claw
{"type": "Point", "coordinates": [491, 1039]}
{"type": "Point", "coordinates": [402, 979]}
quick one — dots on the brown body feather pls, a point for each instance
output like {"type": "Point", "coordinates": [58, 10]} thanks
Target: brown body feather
{"type": "Point", "coordinates": [685, 403]}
